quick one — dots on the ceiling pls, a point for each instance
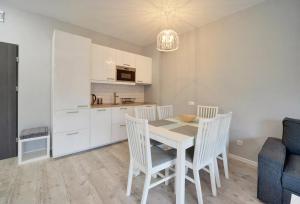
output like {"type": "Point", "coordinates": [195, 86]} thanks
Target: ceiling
{"type": "Point", "coordinates": [135, 21]}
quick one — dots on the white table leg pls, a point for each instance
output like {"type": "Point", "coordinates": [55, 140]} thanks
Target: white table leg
{"type": "Point", "coordinates": [180, 175]}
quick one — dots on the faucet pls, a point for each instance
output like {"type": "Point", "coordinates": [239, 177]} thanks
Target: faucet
{"type": "Point", "coordinates": [115, 98]}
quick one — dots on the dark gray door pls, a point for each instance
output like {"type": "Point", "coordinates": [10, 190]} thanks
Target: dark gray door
{"type": "Point", "coordinates": [8, 100]}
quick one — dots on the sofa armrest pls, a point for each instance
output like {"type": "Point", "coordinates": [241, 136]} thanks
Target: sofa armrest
{"type": "Point", "coordinates": [274, 152]}
{"type": "Point", "coordinates": [271, 161]}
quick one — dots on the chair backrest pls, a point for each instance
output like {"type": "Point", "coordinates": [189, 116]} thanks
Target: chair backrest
{"type": "Point", "coordinates": [205, 141]}
{"type": "Point", "coordinates": [207, 111]}
{"type": "Point", "coordinates": [139, 142]}
{"type": "Point", "coordinates": [164, 112]}
{"type": "Point", "coordinates": [145, 112]}
{"type": "Point", "coordinates": [223, 132]}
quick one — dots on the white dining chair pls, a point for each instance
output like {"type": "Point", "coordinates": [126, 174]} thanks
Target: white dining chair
{"type": "Point", "coordinates": [207, 111]}
{"type": "Point", "coordinates": [164, 112]}
{"type": "Point", "coordinates": [203, 155]}
{"type": "Point", "coordinates": [149, 160]}
{"type": "Point", "coordinates": [148, 113]}
{"type": "Point", "coordinates": [221, 144]}
{"type": "Point", "coordinates": [145, 112]}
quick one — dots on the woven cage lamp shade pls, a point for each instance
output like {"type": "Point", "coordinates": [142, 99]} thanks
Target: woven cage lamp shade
{"type": "Point", "coordinates": [167, 40]}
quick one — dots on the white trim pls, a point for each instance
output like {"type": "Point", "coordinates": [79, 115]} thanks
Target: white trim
{"type": "Point", "coordinates": [242, 159]}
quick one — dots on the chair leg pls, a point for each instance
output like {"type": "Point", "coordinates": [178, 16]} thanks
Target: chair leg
{"type": "Point", "coordinates": [217, 173]}
{"type": "Point", "coordinates": [198, 186]}
{"type": "Point", "coordinates": [146, 188]}
{"type": "Point", "coordinates": [212, 179]}
{"type": "Point", "coordinates": [129, 182]}
{"type": "Point", "coordinates": [225, 163]}
{"type": "Point", "coordinates": [166, 175]}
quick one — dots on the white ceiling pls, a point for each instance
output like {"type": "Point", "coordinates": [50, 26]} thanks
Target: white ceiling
{"type": "Point", "coordinates": [135, 21]}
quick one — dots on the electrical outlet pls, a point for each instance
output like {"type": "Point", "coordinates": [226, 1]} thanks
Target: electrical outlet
{"type": "Point", "coordinates": [240, 142]}
{"type": "Point", "coordinates": [2, 16]}
{"type": "Point", "coordinates": [191, 103]}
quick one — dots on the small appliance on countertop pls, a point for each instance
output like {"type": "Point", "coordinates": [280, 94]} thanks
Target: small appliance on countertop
{"type": "Point", "coordinates": [96, 100]}
{"type": "Point", "coordinates": [127, 100]}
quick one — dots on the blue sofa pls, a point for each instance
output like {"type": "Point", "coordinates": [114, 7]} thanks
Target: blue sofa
{"type": "Point", "coordinates": [279, 166]}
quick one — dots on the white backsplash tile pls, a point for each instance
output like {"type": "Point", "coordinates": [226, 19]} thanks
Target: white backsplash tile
{"type": "Point", "coordinates": [105, 91]}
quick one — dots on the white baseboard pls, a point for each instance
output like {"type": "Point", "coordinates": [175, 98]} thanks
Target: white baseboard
{"type": "Point", "coordinates": [242, 159]}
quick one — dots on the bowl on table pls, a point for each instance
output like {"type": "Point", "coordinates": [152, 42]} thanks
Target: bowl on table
{"type": "Point", "coordinates": [187, 118]}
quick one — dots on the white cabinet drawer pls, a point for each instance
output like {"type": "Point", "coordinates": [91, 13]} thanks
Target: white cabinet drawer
{"type": "Point", "coordinates": [118, 132]}
{"type": "Point", "coordinates": [70, 142]}
{"type": "Point", "coordinates": [69, 120]}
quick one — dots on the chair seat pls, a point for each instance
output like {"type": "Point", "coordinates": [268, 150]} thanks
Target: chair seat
{"type": "Point", "coordinates": [160, 156]}
{"type": "Point", "coordinates": [291, 174]}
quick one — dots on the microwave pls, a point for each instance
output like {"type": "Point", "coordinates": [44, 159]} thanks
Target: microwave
{"type": "Point", "coordinates": [125, 74]}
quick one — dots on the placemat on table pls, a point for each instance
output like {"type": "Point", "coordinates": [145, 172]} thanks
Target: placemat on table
{"type": "Point", "coordinates": [186, 130]}
{"type": "Point", "coordinates": [158, 123]}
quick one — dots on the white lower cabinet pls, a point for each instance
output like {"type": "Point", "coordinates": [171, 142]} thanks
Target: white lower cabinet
{"type": "Point", "coordinates": [118, 133]}
{"type": "Point", "coordinates": [82, 129]}
{"type": "Point", "coordinates": [118, 122]}
{"type": "Point", "coordinates": [100, 127]}
{"type": "Point", "coordinates": [70, 142]}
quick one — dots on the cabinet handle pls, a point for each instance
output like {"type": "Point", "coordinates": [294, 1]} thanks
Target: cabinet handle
{"type": "Point", "coordinates": [122, 125]}
{"type": "Point", "coordinates": [82, 106]}
{"type": "Point", "coordinates": [123, 108]}
{"type": "Point", "coordinates": [73, 133]}
{"type": "Point", "coordinates": [72, 112]}
{"type": "Point", "coordinates": [101, 110]}
{"type": "Point", "coordinates": [128, 65]}
{"type": "Point", "coordinates": [110, 78]}
{"type": "Point", "coordinates": [149, 106]}
{"type": "Point", "coordinates": [140, 81]}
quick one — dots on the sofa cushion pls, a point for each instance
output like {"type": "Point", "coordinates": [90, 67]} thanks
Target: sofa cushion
{"type": "Point", "coordinates": [291, 135]}
{"type": "Point", "coordinates": [291, 174]}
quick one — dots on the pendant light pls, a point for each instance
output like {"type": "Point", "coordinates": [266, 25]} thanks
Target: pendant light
{"type": "Point", "coordinates": [167, 40]}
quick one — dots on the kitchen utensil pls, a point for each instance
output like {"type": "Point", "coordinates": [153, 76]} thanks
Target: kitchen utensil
{"type": "Point", "coordinates": [93, 99]}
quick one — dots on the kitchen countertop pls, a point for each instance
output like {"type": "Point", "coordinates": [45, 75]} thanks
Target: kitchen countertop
{"type": "Point", "coordinates": [110, 105]}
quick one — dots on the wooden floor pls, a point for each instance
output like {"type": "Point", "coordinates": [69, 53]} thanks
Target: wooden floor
{"type": "Point", "coordinates": [100, 176]}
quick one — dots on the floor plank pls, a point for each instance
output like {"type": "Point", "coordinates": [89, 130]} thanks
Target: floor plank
{"type": "Point", "coordinates": [100, 176]}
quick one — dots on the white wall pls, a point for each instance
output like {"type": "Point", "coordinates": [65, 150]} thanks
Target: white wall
{"type": "Point", "coordinates": [33, 34]}
{"type": "Point", "coordinates": [247, 63]}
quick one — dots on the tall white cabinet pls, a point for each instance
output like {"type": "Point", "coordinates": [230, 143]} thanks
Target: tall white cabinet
{"type": "Point", "coordinates": [70, 93]}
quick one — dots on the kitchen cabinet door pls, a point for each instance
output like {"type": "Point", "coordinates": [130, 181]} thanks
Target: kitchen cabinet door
{"type": "Point", "coordinates": [118, 122]}
{"type": "Point", "coordinates": [143, 70]}
{"type": "Point", "coordinates": [71, 71]}
{"type": "Point", "coordinates": [118, 133]}
{"type": "Point", "coordinates": [100, 127]}
{"type": "Point", "coordinates": [118, 114]}
{"type": "Point", "coordinates": [126, 59]}
{"type": "Point", "coordinates": [103, 66]}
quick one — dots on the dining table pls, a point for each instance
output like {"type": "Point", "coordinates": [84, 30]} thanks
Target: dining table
{"type": "Point", "coordinates": [178, 135]}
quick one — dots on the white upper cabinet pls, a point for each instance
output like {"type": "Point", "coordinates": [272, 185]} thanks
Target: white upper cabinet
{"type": "Point", "coordinates": [71, 71]}
{"type": "Point", "coordinates": [143, 70]}
{"type": "Point", "coordinates": [103, 67]}
{"type": "Point", "coordinates": [125, 58]}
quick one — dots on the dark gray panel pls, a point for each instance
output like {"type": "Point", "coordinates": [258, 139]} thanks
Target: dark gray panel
{"type": "Point", "coordinates": [8, 100]}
